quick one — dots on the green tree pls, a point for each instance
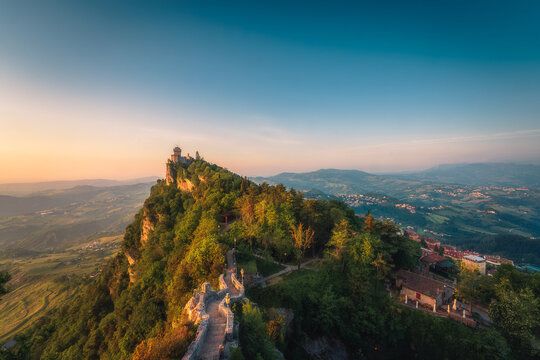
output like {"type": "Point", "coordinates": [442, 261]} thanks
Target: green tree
{"type": "Point", "coordinates": [253, 337]}
{"type": "Point", "coordinates": [339, 242]}
{"type": "Point", "coordinates": [516, 315]}
{"type": "Point", "coordinates": [302, 241]}
{"type": "Point", "coordinates": [369, 223]}
{"type": "Point", "coordinates": [381, 266]}
{"type": "Point", "coordinates": [468, 282]}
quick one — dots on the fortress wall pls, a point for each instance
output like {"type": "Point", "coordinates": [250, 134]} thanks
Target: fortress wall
{"type": "Point", "coordinates": [238, 285]}
{"type": "Point", "coordinates": [195, 310]}
{"type": "Point", "coordinates": [226, 311]}
{"type": "Point", "coordinates": [195, 347]}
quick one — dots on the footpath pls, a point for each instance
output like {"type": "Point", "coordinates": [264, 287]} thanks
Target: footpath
{"type": "Point", "coordinates": [210, 309]}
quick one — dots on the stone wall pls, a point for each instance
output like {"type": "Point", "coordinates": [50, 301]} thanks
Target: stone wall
{"type": "Point", "coordinates": [238, 285]}
{"type": "Point", "coordinates": [226, 311]}
{"type": "Point", "coordinates": [195, 310]}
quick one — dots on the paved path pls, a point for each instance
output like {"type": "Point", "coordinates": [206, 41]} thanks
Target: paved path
{"type": "Point", "coordinates": [217, 322]}
{"type": "Point", "coordinates": [231, 268]}
{"type": "Point", "coordinates": [216, 332]}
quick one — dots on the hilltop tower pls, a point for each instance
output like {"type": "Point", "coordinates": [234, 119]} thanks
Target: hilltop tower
{"type": "Point", "coordinates": [176, 155]}
{"type": "Point", "coordinates": [176, 158]}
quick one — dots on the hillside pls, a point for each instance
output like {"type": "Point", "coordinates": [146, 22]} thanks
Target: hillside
{"type": "Point", "coordinates": [60, 219]}
{"type": "Point", "coordinates": [52, 251]}
{"type": "Point", "coordinates": [456, 214]}
{"type": "Point", "coordinates": [178, 240]}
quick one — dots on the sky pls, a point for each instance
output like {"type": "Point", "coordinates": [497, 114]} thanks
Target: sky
{"type": "Point", "coordinates": [106, 89]}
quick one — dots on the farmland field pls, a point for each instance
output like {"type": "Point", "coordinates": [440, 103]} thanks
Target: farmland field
{"type": "Point", "coordinates": [51, 251]}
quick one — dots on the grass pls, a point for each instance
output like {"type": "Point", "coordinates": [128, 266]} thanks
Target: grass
{"type": "Point", "coordinates": [251, 263]}
{"type": "Point", "coordinates": [437, 219]}
{"type": "Point", "coordinates": [249, 266]}
{"type": "Point", "coordinates": [267, 268]}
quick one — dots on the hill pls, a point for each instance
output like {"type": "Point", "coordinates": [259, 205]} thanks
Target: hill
{"type": "Point", "coordinates": [60, 219]}
{"type": "Point", "coordinates": [178, 240]}
{"type": "Point", "coordinates": [341, 182]}
{"type": "Point", "coordinates": [23, 189]}
{"type": "Point", "coordinates": [479, 174]}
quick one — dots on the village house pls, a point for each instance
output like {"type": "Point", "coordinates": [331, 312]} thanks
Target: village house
{"type": "Point", "coordinates": [473, 263]}
{"type": "Point", "coordinates": [438, 264]}
{"type": "Point", "coordinates": [429, 292]}
{"type": "Point", "coordinates": [496, 261]}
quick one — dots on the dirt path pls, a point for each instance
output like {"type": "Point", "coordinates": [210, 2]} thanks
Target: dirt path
{"type": "Point", "coordinates": [288, 268]}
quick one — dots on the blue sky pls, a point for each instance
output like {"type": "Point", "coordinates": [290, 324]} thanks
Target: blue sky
{"type": "Point", "coordinates": [264, 87]}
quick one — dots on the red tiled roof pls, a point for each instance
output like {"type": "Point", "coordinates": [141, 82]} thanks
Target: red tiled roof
{"type": "Point", "coordinates": [420, 283]}
{"type": "Point", "coordinates": [432, 258]}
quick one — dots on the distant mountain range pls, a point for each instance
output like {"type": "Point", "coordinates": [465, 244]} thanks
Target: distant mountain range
{"type": "Point", "coordinates": [22, 205]}
{"type": "Point", "coordinates": [21, 189]}
{"type": "Point", "coordinates": [479, 174]}
{"type": "Point", "coordinates": [340, 182]}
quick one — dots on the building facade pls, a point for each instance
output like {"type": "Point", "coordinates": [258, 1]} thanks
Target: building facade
{"type": "Point", "coordinates": [425, 290]}
{"type": "Point", "coordinates": [473, 263]}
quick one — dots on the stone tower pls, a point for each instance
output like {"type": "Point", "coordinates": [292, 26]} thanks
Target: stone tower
{"type": "Point", "coordinates": [176, 157]}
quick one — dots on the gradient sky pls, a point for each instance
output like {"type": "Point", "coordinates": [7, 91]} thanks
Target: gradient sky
{"type": "Point", "coordinates": [105, 89]}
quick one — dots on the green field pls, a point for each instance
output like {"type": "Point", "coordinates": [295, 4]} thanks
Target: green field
{"type": "Point", "coordinates": [41, 283]}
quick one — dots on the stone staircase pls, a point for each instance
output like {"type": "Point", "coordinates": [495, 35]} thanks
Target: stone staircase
{"type": "Point", "coordinates": [210, 310]}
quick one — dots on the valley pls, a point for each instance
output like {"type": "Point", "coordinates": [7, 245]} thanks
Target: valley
{"type": "Point", "coordinates": [51, 251]}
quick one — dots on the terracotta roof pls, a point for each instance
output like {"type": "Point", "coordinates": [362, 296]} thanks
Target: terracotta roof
{"type": "Point", "coordinates": [421, 284]}
{"type": "Point", "coordinates": [433, 258]}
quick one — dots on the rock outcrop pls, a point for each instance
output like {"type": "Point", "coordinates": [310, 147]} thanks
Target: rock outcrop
{"type": "Point", "coordinates": [146, 228]}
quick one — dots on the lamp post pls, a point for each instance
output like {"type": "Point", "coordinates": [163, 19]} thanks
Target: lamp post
{"type": "Point", "coordinates": [242, 272]}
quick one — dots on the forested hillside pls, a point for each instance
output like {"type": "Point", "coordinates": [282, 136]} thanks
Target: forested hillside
{"type": "Point", "coordinates": [179, 239]}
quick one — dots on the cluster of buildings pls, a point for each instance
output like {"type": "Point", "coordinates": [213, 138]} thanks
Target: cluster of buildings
{"type": "Point", "coordinates": [422, 290]}
{"type": "Point", "coordinates": [408, 207]}
{"type": "Point", "coordinates": [357, 200]}
{"type": "Point", "coordinates": [468, 259]}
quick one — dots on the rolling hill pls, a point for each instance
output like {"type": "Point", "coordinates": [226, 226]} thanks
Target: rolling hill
{"type": "Point", "coordinates": [479, 174]}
